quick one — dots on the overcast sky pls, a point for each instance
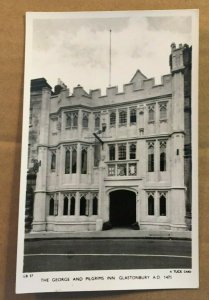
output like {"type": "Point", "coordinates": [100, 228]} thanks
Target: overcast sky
{"type": "Point", "coordinates": [77, 50]}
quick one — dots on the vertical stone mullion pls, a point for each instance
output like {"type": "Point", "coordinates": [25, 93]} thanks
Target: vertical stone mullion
{"type": "Point", "coordinates": [156, 200]}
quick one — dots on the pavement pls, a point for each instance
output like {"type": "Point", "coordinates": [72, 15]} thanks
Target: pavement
{"type": "Point", "coordinates": [116, 233]}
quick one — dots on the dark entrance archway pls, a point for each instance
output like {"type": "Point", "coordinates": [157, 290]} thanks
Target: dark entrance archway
{"type": "Point", "coordinates": [122, 208]}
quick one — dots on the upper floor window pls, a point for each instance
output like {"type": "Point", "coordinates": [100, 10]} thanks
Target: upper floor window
{"type": "Point", "coordinates": [53, 161]}
{"type": "Point", "coordinates": [67, 162]}
{"type": "Point", "coordinates": [75, 119]}
{"type": "Point", "coordinates": [70, 159]}
{"type": "Point", "coordinates": [122, 117]}
{"type": "Point", "coordinates": [151, 113]}
{"type": "Point", "coordinates": [84, 161]}
{"type": "Point", "coordinates": [111, 152]}
{"type": "Point", "coordinates": [96, 153]}
{"type": "Point", "coordinates": [133, 116]}
{"type": "Point", "coordinates": [112, 119]}
{"type": "Point", "coordinates": [132, 151]}
{"type": "Point", "coordinates": [162, 156]}
{"type": "Point", "coordinates": [68, 120]}
{"type": "Point", "coordinates": [122, 151]}
{"type": "Point", "coordinates": [85, 120]}
{"type": "Point", "coordinates": [163, 111]}
{"type": "Point", "coordinates": [151, 160]}
{"type": "Point", "coordinates": [97, 121]}
{"type": "Point", "coordinates": [74, 160]}
{"type": "Point", "coordinates": [72, 120]}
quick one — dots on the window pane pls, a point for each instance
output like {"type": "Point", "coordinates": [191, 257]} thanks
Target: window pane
{"type": "Point", "coordinates": [112, 152]}
{"type": "Point", "coordinates": [95, 206]}
{"type": "Point", "coordinates": [162, 156]}
{"type": "Point", "coordinates": [75, 120]}
{"type": "Point", "coordinates": [111, 170]}
{"type": "Point", "coordinates": [53, 162]}
{"type": "Point", "coordinates": [122, 152]}
{"type": "Point", "coordinates": [151, 114]}
{"type": "Point", "coordinates": [51, 207]}
{"type": "Point", "coordinates": [151, 161]}
{"type": "Point", "coordinates": [162, 205]}
{"type": "Point", "coordinates": [97, 122]}
{"type": "Point", "coordinates": [83, 206]}
{"type": "Point", "coordinates": [132, 151]}
{"type": "Point", "coordinates": [84, 161]}
{"type": "Point", "coordinates": [112, 118]}
{"type": "Point", "coordinates": [85, 122]}
{"type": "Point", "coordinates": [96, 154]}
{"type": "Point", "coordinates": [74, 161]}
{"type": "Point", "coordinates": [163, 112]}
{"type": "Point", "coordinates": [68, 121]}
{"type": "Point", "coordinates": [72, 206]}
{"type": "Point", "coordinates": [133, 116]}
{"type": "Point", "coordinates": [151, 208]}
{"type": "Point", "coordinates": [122, 117]}
{"type": "Point", "coordinates": [162, 161]}
{"type": "Point", "coordinates": [121, 170]}
{"type": "Point", "coordinates": [67, 162]}
{"type": "Point", "coordinates": [65, 207]}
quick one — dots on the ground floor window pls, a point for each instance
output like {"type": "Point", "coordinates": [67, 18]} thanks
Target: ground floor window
{"type": "Point", "coordinates": [151, 205]}
{"type": "Point", "coordinates": [95, 206]}
{"type": "Point", "coordinates": [72, 206]}
{"type": "Point", "coordinates": [83, 206]}
{"type": "Point", "coordinates": [51, 207]}
{"type": "Point", "coordinates": [65, 206]}
{"type": "Point", "coordinates": [162, 205]}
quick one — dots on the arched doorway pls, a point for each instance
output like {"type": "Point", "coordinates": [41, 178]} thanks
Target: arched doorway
{"type": "Point", "coordinates": [122, 208]}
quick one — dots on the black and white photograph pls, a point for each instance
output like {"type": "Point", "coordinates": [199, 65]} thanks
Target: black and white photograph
{"type": "Point", "coordinates": [109, 183]}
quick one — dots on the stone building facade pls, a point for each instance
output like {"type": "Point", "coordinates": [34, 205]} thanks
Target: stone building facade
{"type": "Point", "coordinates": [123, 159]}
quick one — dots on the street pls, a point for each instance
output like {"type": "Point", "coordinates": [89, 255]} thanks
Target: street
{"type": "Point", "coordinates": [105, 254]}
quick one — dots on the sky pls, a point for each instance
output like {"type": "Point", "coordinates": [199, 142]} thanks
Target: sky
{"type": "Point", "coordinates": [77, 50]}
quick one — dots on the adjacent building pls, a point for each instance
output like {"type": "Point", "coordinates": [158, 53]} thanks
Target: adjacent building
{"type": "Point", "coordinates": [119, 160]}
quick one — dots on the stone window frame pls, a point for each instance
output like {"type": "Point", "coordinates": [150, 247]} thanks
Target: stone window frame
{"type": "Point", "coordinates": [131, 110]}
{"type": "Point", "coordinates": [71, 115]}
{"type": "Point", "coordinates": [85, 120]}
{"type": "Point", "coordinates": [112, 146]}
{"type": "Point", "coordinates": [71, 148]}
{"type": "Point", "coordinates": [122, 117]}
{"type": "Point", "coordinates": [122, 151]}
{"type": "Point", "coordinates": [53, 160]}
{"type": "Point", "coordinates": [151, 112]}
{"type": "Point", "coordinates": [164, 195]}
{"type": "Point", "coordinates": [97, 120]}
{"type": "Point", "coordinates": [151, 156]}
{"type": "Point", "coordinates": [163, 158]}
{"type": "Point", "coordinates": [151, 205]}
{"type": "Point", "coordinates": [112, 119]}
{"type": "Point", "coordinates": [163, 106]}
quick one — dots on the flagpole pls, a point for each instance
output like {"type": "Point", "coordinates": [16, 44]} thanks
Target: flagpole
{"type": "Point", "coordinates": [110, 62]}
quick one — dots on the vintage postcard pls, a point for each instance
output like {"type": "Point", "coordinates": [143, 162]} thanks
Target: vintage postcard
{"type": "Point", "coordinates": [109, 176]}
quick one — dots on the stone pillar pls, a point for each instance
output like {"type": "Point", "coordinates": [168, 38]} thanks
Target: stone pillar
{"type": "Point", "coordinates": [177, 140]}
{"type": "Point", "coordinates": [39, 217]}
